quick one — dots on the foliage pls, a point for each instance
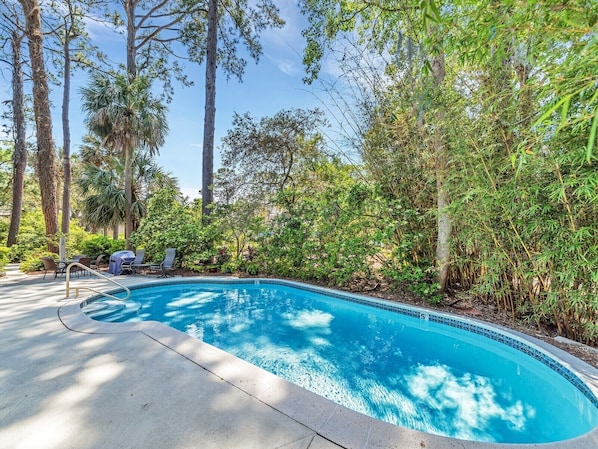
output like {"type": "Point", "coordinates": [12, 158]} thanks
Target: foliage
{"type": "Point", "coordinates": [31, 236]}
{"type": "Point", "coordinates": [272, 154]}
{"type": "Point", "coordinates": [5, 173]}
{"type": "Point", "coordinates": [75, 239]}
{"type": "Point", "coordinates": [32, 241]}
{"type": "Point", "coordinates": [32, 262]}
{"type": "Point", "coordinates": [95, 245]}
{"type": "Point", "coordinates": [122, 111]}
{"type": "Point", "coordinates": [519, 114]}
{"type": "Point", "coordinates": [3, 257]}
{"type": "Point", "coordinates": [171, 222]}
{"type": "Point", "coordinates": [103, 186]}
{"type": "Point", "coordinates": [328, 234]}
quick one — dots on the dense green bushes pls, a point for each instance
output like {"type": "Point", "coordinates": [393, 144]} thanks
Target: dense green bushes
{"type": "Point", "coordinates": [171, 222]}
{"type": "Point", "coordinates": [95, 245]}
{"type": "Point", "coordinates": [3, 257]}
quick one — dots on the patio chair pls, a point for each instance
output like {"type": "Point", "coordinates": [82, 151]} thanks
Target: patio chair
{"type": "Point", "coordinates": [51, 265]}
{"type": "Point", "coordinates": [167, 264]}
{"type": "Point", "coordinates": [96, 265]}
{"type": "Point", "coordinates": [130, 265]}
{"type": "Point", "coordinates": [86, 261]}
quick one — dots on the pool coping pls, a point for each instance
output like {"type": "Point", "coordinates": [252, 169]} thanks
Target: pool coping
{"type": "Point", "coordinates": [336, 423]}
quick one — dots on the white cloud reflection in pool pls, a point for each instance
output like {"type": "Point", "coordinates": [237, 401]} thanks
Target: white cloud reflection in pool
{"type": "Point", "coordinates": [420, 375]}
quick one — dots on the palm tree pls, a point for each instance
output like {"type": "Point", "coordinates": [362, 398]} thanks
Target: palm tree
{"type": "Point", "coordinates": [103, 188]}
{"type": "Point", "coordinates": [104, 203]}
{"type": "Point", "coordinates": [123, 113]}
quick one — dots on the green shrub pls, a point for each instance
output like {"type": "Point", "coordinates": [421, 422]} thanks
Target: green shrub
{"type": "Point", "coordinates": [95, 245]}
{"type": "Point", "coordinates": [4, 251]}
{"type": "Point", "coordinates": [75, 239]}
{"type": "Point", "coordinates": [229, 267]}
{"type": "Point", "coordinates": [416, 280]}
{"type": "Point", "coordinates": [33, 262]}
{"type": "Point", "coordinates": [172, 223]}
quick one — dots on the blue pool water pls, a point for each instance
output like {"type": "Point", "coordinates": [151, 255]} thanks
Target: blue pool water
{"type": "Point", "coordinates": [406, 370]}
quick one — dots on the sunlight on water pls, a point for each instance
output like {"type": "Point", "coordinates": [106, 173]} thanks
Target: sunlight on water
{"type": "Point", "coordinates": [410, 372]}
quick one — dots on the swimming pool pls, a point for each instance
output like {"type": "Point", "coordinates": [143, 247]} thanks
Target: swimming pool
{"type": "Point", "coordinates": [426, 371]}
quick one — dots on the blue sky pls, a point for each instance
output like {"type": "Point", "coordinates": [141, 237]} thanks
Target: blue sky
{"type": "Point", "coordinates": [275, 83]}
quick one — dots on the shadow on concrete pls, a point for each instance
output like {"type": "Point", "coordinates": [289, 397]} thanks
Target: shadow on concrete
{"type": "Point", "coordinates": [63, 389]}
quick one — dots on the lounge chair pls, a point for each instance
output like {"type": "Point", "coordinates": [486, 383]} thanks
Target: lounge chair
{"type": "Point", "coordinates": [51, 265]}
{"type": "Point", "coordinates": [167, 264]}
{"type": "Point", "coordinates": [129, 266]}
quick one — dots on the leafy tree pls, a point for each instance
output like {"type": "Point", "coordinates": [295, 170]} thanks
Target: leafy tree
{"type": "Point", "coordinates": [46, 157]}
{"type": "Point", "coordinates": [239, 214]}
{"type": "Point", "coordinates": [230, 23]}
{"type": "Point", "coordinates": [76, 51]}
{"type": "Point", "coordinates": [19, 158]}
{"type": "Point", "coordinates": [104, 203]}
{"type": "Point", "coordinates": [333, 232]}
{"type": "Point", "coordinates": [379, 23]}
{"type": "Point", "coordinates": [103, 187]}
{"type": "Point", "coordinates": [31, 237]}
{"type": "Point", "coordinates": [123, 113]}
{"type": "Point", "coordinates": [171, 222]}
{"type": "Point", "coordinates": [271, 154]}
{"type": "Point", "coordinates": [5, 173]}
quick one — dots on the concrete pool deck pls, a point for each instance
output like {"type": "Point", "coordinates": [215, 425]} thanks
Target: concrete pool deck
{"type": "Point", "coordinates": [67, 381]}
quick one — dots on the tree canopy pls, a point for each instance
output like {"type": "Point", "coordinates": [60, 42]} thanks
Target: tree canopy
{"type": "Point", "coordinates": [124, 114]}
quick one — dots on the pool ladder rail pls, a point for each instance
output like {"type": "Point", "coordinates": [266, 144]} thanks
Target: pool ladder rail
{"type": "Point", "coordinates": [96, 273]}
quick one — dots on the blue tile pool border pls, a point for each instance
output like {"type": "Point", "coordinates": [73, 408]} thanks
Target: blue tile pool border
{"type": "Point", "coordinates": [477, 328]}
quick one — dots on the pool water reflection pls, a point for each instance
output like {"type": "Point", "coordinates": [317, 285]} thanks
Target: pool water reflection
{"type": "Point", "coordinates": [400, 369]}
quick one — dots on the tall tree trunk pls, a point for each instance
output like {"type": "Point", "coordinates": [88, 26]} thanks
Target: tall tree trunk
{"type": "Point", "coordinates": [207, 172]}
{"type": "Point", "coordinates": [66, 143]}
{"type": "Point", "coordinates": [20, 150]}
{"type": "Point", "coordinates": [130, 6]}
{"type": "Point", "coordinates": [441, 161]}
{"type": "Point", "coordinates": [46, 158]}
{"type": "Point", "coordinates": [128, 195]}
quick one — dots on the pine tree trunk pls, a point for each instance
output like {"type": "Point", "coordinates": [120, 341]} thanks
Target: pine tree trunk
{"type": "Point", "coordinates": [20, 150]}
{"type": "Point", "coordinates": [128, 195]}
{"type": "Point", "coordinates": [66, 144]}
{"type": "Point", "coordinates": [130, 6]}
{"type": "Point", "coordinates": [207, 178]}
{"type": "Point", "coordinates": [46, 157]}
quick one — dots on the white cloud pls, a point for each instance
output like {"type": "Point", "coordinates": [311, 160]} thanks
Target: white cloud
{"type": "Point", "coordinates": [285, 65]}
{"type": "Point", "coordinates": [309, 319]}
{"type": "Point", "coordinates": [467, 403]}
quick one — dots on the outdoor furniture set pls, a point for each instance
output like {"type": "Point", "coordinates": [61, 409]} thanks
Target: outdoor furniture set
{"type": "Point", "coordinates": [122, 262]}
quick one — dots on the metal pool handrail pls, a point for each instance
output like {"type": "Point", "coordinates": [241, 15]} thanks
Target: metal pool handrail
{"type": "Point", "coordinates": [101, 276]}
